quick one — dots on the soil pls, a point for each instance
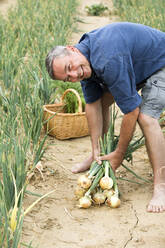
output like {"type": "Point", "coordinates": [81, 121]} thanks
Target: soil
{"type": "Point", "coordinates": [57, 221]}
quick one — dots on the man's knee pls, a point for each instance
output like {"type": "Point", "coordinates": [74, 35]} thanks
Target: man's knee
{"type": "Point", "coordinates": [146, 120]}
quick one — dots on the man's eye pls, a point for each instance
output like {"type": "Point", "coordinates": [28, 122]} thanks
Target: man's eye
{"type": "Point", "coordinates": [68, 79]}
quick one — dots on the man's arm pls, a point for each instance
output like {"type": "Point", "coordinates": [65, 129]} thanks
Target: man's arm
{"type": "Point", "coordinates": [126, 133]}
{"type": "Point", "coordinates": [95, 123]}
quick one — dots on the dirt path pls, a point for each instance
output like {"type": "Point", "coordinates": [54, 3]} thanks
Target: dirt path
{"type": "Point", "coordinates": [58, 222]}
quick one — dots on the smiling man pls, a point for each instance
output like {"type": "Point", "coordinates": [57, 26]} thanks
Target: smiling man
{"type": "Point", "coordinates": [113, 63]}
{"type": "Point", "coordinates": [75, 67]}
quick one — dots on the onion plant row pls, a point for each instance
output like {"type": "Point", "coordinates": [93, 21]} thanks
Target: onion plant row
{"type": "Point", "coordinates": [148, 12]}
{"type": "Point", "coordinates": [28, 33]}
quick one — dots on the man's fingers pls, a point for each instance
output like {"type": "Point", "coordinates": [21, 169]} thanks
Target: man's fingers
{"type": "Point", "coordinates": [98, 160]}
{"type": "Point", "coordinates": [105, 157]}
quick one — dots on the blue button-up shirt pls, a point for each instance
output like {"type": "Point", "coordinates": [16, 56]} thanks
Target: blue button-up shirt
{"type": "Point", "coordinates": [121, 55]}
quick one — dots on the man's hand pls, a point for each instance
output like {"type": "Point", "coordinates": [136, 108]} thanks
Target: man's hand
{"type": "Point", "coordinates": [96, 156]}
{"type": "Point", "coordinates": [126, 132]}
{"type": "Point", "coordinates": [115, 158]}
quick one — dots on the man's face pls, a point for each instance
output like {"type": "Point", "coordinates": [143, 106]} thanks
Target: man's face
{"type": "Point", "coordinates": [73, 67]}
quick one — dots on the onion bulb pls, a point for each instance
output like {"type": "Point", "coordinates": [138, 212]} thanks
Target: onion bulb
{"type": "Point", "coordinates": [106, 182]}
{"type": "Point", "coordinates": [99, 198]}
{"type": "Point", "coordinates": [85, 202]}
{"type": "Point", "coordinates": [79, 191]}
{"type": "Point", "coordinates": [84, 181]}
{"type": "Point", "coordinates": [108, 193]}
{"type": "Point", "coordinates": [113, 202]}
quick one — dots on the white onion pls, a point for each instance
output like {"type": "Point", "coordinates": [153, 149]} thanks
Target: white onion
{"type": "Point", "coordinates": [113, 202]}
{"type": "Point", "coordinates": [99, 198]}
{"type": "Point", "coordinates": [108, 192]}
{"type": "Point", "coordinates": [85, 202]}
{"type": "Point", "coordinates": [106, 182]}
{"type": "Point", "coordinates": [84, 181]}
{"type": "Point", "coordinates": [79, 191]}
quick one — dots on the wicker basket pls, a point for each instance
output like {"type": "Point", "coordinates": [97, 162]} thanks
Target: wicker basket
{"type": "Point", "coordinates": [65, 125]}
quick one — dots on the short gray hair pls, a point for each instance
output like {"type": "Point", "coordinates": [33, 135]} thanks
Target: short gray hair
{"type": "Point", "coordinates": [55, 52]}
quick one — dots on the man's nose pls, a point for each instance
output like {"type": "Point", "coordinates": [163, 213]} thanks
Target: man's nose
{"type": "Point", "coordinates": [73, 74]}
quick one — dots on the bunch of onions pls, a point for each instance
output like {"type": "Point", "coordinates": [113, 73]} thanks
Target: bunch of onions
{"type": "Point", "coordinates": [95, 194]}
{"type": "Point", "coordinates": [102, 176]}
{"type": "Point", "coordinates": [87, 184]}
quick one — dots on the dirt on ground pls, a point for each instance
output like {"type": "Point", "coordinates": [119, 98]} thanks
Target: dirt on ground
{"type": "Point", "coordinates": [57, 221]}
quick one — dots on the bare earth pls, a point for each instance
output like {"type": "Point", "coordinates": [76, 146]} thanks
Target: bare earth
{"type": "Point", "coordinates": [57, 221]}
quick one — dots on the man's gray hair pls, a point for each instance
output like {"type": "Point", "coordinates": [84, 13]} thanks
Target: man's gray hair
{"type": "Point", "coordinates": [55, 52]}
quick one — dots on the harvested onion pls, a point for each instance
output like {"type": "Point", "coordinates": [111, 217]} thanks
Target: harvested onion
{"type": "Point", "coordinates": [106, 182]}
{"type": "Point", "coordinates": [113, 202]}
{"type": "Point", "coordinates": [99, 198]}
{"type": "Point", "coordinates": [108, 192]}
{"type": "Point", "coordinates": [85, 202]}
{"type": "Point", "coordinates": [84, 181]}
{"type": "Point", "coordinates": [79, 192]}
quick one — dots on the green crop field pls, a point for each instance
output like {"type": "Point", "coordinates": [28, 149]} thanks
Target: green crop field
{"type": "Point", "coordinates": [28, 33]}
{"type": "Point", "coordinates": [148, 12]}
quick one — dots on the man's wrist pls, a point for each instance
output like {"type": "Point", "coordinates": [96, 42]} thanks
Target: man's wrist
{"type": "Point", "coordinates": [120, 151]}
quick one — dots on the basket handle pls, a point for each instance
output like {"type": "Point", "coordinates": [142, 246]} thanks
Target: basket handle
{"type": "Point", "coordinates": [78, 98]}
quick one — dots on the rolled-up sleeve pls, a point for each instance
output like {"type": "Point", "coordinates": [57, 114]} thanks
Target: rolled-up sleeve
{"type": "Point", "coordinates": [120, 79]}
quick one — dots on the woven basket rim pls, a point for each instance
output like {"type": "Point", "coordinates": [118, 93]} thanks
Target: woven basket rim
{"type": "Point", "coordinates": [58, 113]}
{"type": "Point", "coordinates": [45, 107]}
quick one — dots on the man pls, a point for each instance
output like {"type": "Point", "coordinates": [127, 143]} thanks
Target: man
{"type": "Point", "coordinates": [112, 63]}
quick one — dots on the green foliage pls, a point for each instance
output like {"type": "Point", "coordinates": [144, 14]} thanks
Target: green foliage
{"type": "Point", "coordinates": [96, 9]}
{"type": "Point", "coordinates": [148, 12]}
{"type": "Point", "coordinates": [26, 36]}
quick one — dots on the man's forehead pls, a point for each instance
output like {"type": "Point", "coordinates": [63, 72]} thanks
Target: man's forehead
{"type": "Point", "coordinates": [60, 63]}
{"type": "Point", "coordinates": [59, 67]}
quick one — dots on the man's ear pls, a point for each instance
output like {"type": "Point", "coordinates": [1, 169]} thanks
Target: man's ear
{"type": "Point", "coordinates": [72, 48]}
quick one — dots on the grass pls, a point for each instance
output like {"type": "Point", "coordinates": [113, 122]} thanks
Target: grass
{"type": "Point", "coordinates": [31, 29]}
{"type": "Point", "coordinates": [148, 12]}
